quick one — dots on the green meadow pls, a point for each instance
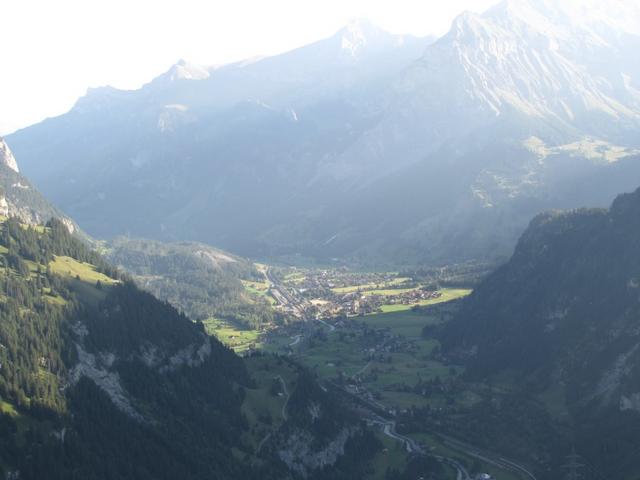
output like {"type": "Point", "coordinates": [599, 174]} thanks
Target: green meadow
{"type": "Point", "coordinates": [235, 337]}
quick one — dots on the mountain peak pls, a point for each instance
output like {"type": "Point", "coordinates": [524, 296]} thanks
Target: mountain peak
{"type": "Point", "coordinates": [545, 59]}
{"type": "Point", "coordinates": [357, 34]}
{"type": "Point", "coordinates": [181, 70]}
{"type": "Point", "coordinates": [185, 70]}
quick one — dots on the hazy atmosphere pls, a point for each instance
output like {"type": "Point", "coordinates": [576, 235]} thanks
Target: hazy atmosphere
{"type": "Point", "coordinates": [300, 240]}
{"type": "Point", "coordinates": [56, 50]}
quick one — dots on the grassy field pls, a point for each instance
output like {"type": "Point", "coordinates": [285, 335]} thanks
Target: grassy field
{"type": "Point", "coordinates": [388, 375]}
{"type": "Point", "coordinates": [69, 267]}
{"type": "Point", "coordinates": [262, 407]}
{"type": "Point", "coordinates": [370, 287]}
{"type": "Point", "coordinates": [294, 277]}
{"type": "Point", "coordinates": [259, 289]}
{"type": "Point", "coordinates": [55, 300]}
{"type": "Point", "coordinates": [393, 456]}
{"type": "Point", "coordinates": [405, 322]}
{"type": "Point", "coordinates": [334, 356]}
{"type": "Point", "coordinates": [240, 340]}
{"type": "Point", "coordinates": [83, 278]}
{"type": "Point", "coordinates": [391, 374]}
{"type": "Point", "coordinates": [448, 294]}
{"type": "Point", "coordinates": [8, 408]}
{"type": "Point", "coordinates": [390, 291]}
{"type": "Point", "coordinates": [277, 344]}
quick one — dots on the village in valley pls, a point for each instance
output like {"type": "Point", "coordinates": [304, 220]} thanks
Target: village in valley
{"type": "Point", "coordinates": [313, 302]}
{"type": "Point", "coordinates": [328, 294]}
{"type": "Point", "coordinates": [357, 327]}
{"type": "Point", "coordinates": [366, 335]}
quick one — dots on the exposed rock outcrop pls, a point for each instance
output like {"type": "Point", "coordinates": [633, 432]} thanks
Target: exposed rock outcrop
{"type": "Point", "coordinates": [6, 157]}
{"type": "Point", "coordinates": [92, 367]}
{"type": "Point", "coordinates": [300, 456]}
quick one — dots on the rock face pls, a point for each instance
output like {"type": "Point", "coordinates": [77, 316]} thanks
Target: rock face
{"type": "Point", "coordinates": [108, 381]}
{"type": "Point", "coordinates": [100, 367]}
{"type": "Point", "coordinates": [301, 457]}
{"type": "Point", "coordinates": [457, 143]}
{"type": "Point", "coordinates": [4, 207]}
{"type": "Point", "coordinates": [317, 432]}
{"type": "Point", "coordinates": [6, 157]}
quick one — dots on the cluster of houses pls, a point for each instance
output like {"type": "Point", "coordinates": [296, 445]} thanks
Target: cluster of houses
{"type": "Point", "coordinates": [365, 303]}
{"type": "Point", "coordinates": [342, 278]}
{"type": "Point", "coordinates": [413, 296]}
{"type": "Point", "coordinates": [334, 293]}
{"type": "Point", "coordinates": [358, 303]}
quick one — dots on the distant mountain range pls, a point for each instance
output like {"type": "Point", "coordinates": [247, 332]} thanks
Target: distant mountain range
{"type": "Point", "coordinates": [365, 145]}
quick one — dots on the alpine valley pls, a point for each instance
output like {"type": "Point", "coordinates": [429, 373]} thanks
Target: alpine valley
{"type": "Point", "coordinates": [376, 257]}
{"type": "Point", "coordinates": [99, 379]}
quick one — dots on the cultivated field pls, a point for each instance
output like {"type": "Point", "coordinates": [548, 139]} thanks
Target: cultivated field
{"type": "Point", "coordinates": [236, 338]}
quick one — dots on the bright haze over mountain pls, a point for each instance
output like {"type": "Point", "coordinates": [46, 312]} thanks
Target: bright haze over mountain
{"type": "Point", "coordinates": [80, 50]}
{"type": "Point", "coordinates": [308, 220]}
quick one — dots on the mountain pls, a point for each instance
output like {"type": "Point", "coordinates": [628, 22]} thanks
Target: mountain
{"type": "Point", "coordinates": [526, 107]}
{"type": "Point", "coordinates": [185, 158]}
{"type": "Point", "coordinates": [99, 379]}
{"type": "Point", "coordinates": [197, 279]}
{"type": "Point", "coordinates": [19, 198]}
{"type": "Point", "coordinates": [364, 145]}
{"type": "Point", "coordinates": [558, 323]}
{"type": "Point", "coordinates": [75, 340]}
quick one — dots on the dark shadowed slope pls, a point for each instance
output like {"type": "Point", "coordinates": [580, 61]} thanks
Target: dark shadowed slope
{"type": "Point", "coordinates": [559, 323]}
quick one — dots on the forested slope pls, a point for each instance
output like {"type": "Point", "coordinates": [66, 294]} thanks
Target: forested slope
{"type": "Point", "coordinates": [557, 328]}
{"type": "Point", "coordinates": [100, 380]}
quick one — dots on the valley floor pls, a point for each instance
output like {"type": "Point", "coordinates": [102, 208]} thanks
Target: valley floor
{"type": "Point", "coordinates": [366, 337]}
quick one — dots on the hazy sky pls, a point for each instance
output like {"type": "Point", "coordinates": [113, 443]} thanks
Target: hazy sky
{"type": "Point", "coordinates": [53, 50]}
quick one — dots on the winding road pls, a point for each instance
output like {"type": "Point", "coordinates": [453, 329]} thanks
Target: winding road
{"type": "Point", "coordinates": [286, 392]}
{"type": "Point", "coordinates": [412, 447]}
{"type": "Point", "coordinates": [372, 414]}
{"type": "Point", "coordinates": [389, 426]}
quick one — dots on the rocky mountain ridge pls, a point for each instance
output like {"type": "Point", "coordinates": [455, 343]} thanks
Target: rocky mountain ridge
{"type": "Point", "coordinates": [507, 114]}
